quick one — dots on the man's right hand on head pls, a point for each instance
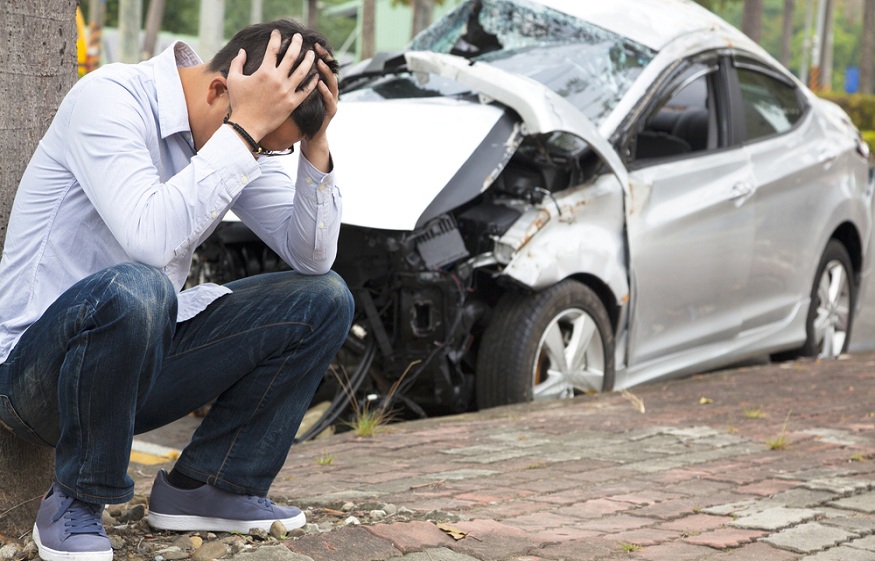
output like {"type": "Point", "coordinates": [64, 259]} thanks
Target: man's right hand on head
{"type": "Point", "coordinates": [264, 100]}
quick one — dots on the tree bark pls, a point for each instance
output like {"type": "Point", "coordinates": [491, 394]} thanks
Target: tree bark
{"type": "Point", "coordinates": [867, 48]}
{"type": "Point", "coordinates": [423, 11]}
{"type": "Point", "coordinates": [368, 17]}
{"type": "Point", "coordinates": [37, 67]}
{"type": "Point", "coordinates": [312, 14]}
{"type": "Point", "coordinates": [153, 26]}
{"type": "Point", "coordinates": [787, 32]}
{"type": "Point", "coordinates": [752, 19]}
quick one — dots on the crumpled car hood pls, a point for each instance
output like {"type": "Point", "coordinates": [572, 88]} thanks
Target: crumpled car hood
{"type": "Point", "coordinates": [388, 171]}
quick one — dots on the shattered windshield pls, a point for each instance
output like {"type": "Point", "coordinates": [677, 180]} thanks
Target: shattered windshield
{"type": "Point", "coordinates": [589, 66]}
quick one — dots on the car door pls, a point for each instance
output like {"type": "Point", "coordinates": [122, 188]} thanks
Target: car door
{"type": "Point", "coordinates": [793, 161]}
{"type": "Point", "coordinates": [690, 225]}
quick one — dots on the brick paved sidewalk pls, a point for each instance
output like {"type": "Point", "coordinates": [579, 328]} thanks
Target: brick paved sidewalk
{"type": "Point", "coordinates": [772, 462]}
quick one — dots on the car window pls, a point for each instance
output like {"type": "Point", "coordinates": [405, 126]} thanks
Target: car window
{"type": "Point", "coordinates": [684, 124]}
{"type": "Point", "coordinates": [771, 106]}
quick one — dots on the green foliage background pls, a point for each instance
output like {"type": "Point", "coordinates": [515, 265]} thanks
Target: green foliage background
{"type": "Point", "coordinates": [181, 16]}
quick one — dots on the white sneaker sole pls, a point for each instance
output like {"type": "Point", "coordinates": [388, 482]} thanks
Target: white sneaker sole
{"type": "Point", "coordinates": [187, 523]}
{"type": "Point", "coordinates": [49, 554]}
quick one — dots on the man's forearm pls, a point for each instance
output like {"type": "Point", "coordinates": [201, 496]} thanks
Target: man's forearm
{"type": "Point", "coordinates": [317, 153]}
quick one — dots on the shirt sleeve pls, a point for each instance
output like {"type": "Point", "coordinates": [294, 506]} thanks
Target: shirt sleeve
{"type": "Point", "coordinates": [299, 219]}
{"type": "Point", "coordinates": [112, 149]}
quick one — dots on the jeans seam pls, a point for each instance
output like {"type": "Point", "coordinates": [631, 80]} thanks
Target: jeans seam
{"type": "Point", "coordinates": [254, 412]}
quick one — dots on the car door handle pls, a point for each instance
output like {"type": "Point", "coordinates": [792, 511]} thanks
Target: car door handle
{"type": "Point", "coordinates": [742, 190]}
{"type": "Point", "coordinates": [827, 156]}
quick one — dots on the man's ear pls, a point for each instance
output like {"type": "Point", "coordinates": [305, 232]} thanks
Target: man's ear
{"type": "Point", "coordinates": [218, 90]}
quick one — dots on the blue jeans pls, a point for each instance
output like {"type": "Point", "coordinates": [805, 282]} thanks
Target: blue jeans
{"type": "Point", "coordinates": [107, 360]}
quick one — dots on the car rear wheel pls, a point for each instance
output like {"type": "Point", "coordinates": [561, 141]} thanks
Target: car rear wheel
{"type": "Point", "coordinates": [830, 315]}
{"type": "Point", "coordinates": [548, 345]}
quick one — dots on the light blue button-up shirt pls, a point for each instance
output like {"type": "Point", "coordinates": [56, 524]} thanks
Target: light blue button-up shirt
{"type": "Point", "coordinates": [116, 179]}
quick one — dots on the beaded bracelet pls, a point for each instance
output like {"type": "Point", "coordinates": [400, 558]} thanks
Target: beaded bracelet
{"type": "Point", "coordinates": [256, 148]}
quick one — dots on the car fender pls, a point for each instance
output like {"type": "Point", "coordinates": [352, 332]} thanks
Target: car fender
{"type": "Point", "coordinates": [580, 231]}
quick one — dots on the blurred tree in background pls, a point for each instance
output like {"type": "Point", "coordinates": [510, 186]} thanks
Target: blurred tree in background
{"type": "Point", "coordinates": [181, 16]}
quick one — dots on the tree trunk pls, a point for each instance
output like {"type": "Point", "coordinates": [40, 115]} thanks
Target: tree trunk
{"type": "Point", "coordinates": [867, 48]}
{"type": "Point", "coordinates": [33, 80]}
{"type": "Point", "coordinates": [787, 32]}
{"type": "Point", "coordinates": [752, 19]}
{"type": "Point", "coordinates": [153, 27]}
{"type": "Point", "coordinates": [423, 11]}
{"type": "Point", "coordinates": [312, 14]}
{"type": "Point", "coordinates": [368, 17]}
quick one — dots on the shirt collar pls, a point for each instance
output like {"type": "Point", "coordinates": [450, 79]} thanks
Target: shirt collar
{"type": "Point", "coordinates": [172, 110]}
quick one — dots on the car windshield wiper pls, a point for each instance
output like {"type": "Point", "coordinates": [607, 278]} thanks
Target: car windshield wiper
{"type": "Point", "coordinates": [382, 64]}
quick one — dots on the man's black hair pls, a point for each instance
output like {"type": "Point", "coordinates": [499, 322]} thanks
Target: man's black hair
{"type": "Point", "coordinates": [254, 39]}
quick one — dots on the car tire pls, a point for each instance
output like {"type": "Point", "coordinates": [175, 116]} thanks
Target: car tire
{"type": "Point", "coordinates": [514, 361]}
{"type": "Point", "coordinates": [833, 296]}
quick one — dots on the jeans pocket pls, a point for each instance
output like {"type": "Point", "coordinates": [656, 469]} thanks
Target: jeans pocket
{"type": "Point", "coordinates": [11, 421]}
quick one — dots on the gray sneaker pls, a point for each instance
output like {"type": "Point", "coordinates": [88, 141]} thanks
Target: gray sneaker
{"type": "Point", "coordinates": [68, 529]}
{"type": "Point", "coordinates": [210, 509]}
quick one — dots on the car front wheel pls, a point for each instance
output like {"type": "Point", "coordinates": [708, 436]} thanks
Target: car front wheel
{"type": "Point", "coordinates": [830, 316]}
{"type": "Point", "coordinates": [547, 345]}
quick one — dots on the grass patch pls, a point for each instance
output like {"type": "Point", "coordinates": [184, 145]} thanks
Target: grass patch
{"type": "Point", "coordinates": [780, 442]}
{"type": "Point", "coordinates": [370, 417]}
{"type": "Point", "coordinates": [630, 547]}
{"type": "Point", "coordinates": [324, 460]}
{"type": "Point", "coordinates": [754, 412]}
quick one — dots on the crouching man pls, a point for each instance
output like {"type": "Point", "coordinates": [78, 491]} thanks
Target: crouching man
{"type": "Point", "coordinates": [97, 343]}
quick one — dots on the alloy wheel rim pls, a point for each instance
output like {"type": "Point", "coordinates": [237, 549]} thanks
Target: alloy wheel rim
{"type": "Point", "coordinates": [831, 323]}
{"type": "Point", "coordinates": [570, 356]}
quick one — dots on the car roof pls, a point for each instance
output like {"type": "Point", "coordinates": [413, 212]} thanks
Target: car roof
{"type": "Point", "coordinates": [652, 23]}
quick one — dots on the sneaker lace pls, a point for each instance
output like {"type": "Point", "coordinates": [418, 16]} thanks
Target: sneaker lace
{"type": "Point", "coordinates": [79, 517]}
{"type": "Point", "coordinates": [263, 501]}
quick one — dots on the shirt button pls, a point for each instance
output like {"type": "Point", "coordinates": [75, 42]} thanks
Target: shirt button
{"type": "Point", "coordinates": [214, 214]}
{"type": "Point", "coordinates": [308, 180]}
{"type": "Point", "coordinates": [322, 225]}
{"type": "Point", "coordinates": [244, 179]}
{"type": "Point", "coordinates": [321, 186]}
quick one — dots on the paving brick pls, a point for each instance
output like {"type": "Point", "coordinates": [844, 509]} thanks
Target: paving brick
{"type": "Point", "coordinates": [775, 518]}
{"type": "Point", "coordinates": [324, 547]}
{"type": "Point", "coordinates": [580, 550]}
{"type": "Point", "coordinates": [861, 503]}
{"type": "Point", "coordinates": [593, 508]}
{"type": "Point", "coordinates": [767, 487]}
{"type": "Point", "coordinates": [757, 552]}
{"type": "Point", "coordinates": [696, 523]}
{"type": "Point", "coordinates": [615, 524]}
{"type": "Point", "coordinates": [841, 554]}
{"type": "Point", "coordinates": [867, 543]}
{"type": "Point", "coordinates": [644, 536]}
{"type": "Point", "coordinates": [857, 524]}
{"type": "Point", "coordinates": [539, 521]}
{"type": "Point", "coordinates": [674, 551]}
{"type": "Point", "coordinates": [438, 554]}
{"type": "Point", "coordinates": [410, 536]}
{"type": "Point", "coordinates": [809, 538]}
{"type": "Point", "coordinates": [488, 539]}
{"type": "Point", "coordinates": [723, 538]}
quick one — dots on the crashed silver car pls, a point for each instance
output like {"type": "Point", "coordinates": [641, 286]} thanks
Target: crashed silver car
{"type": "Point", "coordinates": [548, 197]}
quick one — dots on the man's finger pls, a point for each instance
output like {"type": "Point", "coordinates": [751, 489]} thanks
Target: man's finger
{"type": "Point", "coordinates": [288, 60]}
{"type": "Point", "coordinates": [237, 63]}
{"type": "Point", "coordinates": [302, 70]}
{"type": "Point", "coordinates": [330, 77]}
{"type": "Point", "coordinates": [323, 52]}
{"type": "Point", "coordinates": [272, 49]}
